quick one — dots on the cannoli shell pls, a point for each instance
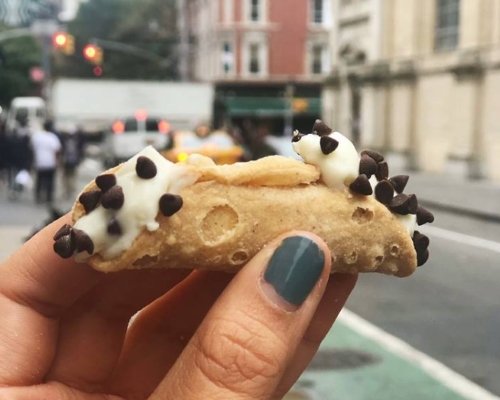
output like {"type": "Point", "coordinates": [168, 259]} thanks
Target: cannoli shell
{"type": "Point", "coordinates": [228, 217]}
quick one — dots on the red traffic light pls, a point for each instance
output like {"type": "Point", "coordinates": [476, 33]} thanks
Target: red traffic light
{"type": "Point", "coordinates": [90, 52]}
{"type": "Point", "coordinates": [93, 54]}
{"type": "Point", "coordinates": [60, 39]}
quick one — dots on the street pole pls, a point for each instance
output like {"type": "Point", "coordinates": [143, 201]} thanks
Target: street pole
{"type": "Point", "coordinates": [184, 41]}
{"type": "Point", "coordinates": [45, 29]}
{"type": "Point", "coordinates": [289, 95]}
{"type": "Point", "coordinates": [46, 66]}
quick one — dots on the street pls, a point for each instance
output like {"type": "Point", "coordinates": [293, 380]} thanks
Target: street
{"type": "Point", "coordinates": [448, 309]}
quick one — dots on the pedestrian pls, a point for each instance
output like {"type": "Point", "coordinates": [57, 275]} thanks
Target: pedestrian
{"type": "Point", "coordinates": [46, 147]}
{"type": "Point", "coordinates": [72, 151]}
{"type": "Point", "coordinates": [208, 336]}
{"type": "Point", "coordinates": [4, 155]}
{"type": "Point", "coordinates": [258, 145]}
{"type": "Point", "coordinates": [21, 157]}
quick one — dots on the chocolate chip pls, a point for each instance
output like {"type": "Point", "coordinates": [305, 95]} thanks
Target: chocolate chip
{"type": "Point", "coordinates": [170, 204]}
{"type": "Point", "coordinates": [65, 230]}
{"type": "Point", "coordinates": [384, 192]}
{"type": "Point", "coordinates": [145, 168]}
{"type": "Point", "coordinates": [367, 166]}
{"type": "Point", "coordinates": [399, 204]}
{"type": "Point", "coordinates": [113, 198]}
{"type": "Point", "coordinates": [412, 204]}
{"type": "Point", "coordinates": [422, 257]}
{"type": "Point", "coordinates": [399, 182]}
{"type": "Point", "coordinates": [297, 137]}
{"type": "Point", "coordinates": [90, 199]}
{"type": "Point", "coordinates": [424, 216]}
{"type": "Point", "coordinates": [65, 246]}
{"type": "Point", "coordinates": [83, 241]}
{"type": "Point", "coordinates": [114, 227]}
{"type": "Point", "coordinates": [382, 171]}
{"type": "Point", "coordinates": [321, 129]}
{"type": "Point", "coordinates": [420, 242]}
{"type": "Point", "coordinates": [328, 144]}
{"type": "Point", "coordinates": [374, 155]}
{"type": "Point", "coordinates": [105, 181]}
{"type": "Point", "coordinates": [361, 185]}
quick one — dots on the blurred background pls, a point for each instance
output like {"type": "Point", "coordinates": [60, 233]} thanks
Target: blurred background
{"type": "Point", "coordinates": [418, 80]}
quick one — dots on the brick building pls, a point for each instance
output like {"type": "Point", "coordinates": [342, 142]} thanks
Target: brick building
{"type": "Point", "coordinates": [267, 59]}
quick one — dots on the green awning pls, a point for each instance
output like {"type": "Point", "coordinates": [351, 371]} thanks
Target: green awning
{"type": "Point", "coordinates": [271, 106]}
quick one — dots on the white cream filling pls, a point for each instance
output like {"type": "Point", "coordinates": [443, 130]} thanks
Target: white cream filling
{"type": "Point", "coordinates": [341, 167]}
{"type": "Point", "coordinates": [140, 207]}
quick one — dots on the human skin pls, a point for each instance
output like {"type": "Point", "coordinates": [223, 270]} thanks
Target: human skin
{"type": "Point", "coordinates": [65, 329]}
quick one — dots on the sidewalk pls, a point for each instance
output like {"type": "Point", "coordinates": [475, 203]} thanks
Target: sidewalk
{"type": "Point", "coordinates": [451, 192]}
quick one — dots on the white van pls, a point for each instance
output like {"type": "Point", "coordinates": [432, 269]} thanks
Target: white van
{"type": "Point", "coordinates": [31, 109]}
{"type": "Point", "coordinates": [130, 135]}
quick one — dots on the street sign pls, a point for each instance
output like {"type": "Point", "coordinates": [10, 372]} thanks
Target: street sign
{"type": "Point", "coordinates": [300, 105]}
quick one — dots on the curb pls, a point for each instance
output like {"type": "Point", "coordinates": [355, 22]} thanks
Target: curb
{"type": "Point", "coordinates": [478, 214]}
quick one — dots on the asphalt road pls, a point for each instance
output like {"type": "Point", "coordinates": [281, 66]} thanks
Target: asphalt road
{"type": "Point", "coordinates": [450, 308]}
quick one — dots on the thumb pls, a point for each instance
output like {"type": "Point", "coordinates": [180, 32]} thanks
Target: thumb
{"type": "Point", "coordinates": [249, 337]}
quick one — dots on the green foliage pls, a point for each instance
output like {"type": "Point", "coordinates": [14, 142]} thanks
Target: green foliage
{"type": "Point", "coordinates": [149, 25]}
{"type": "Point", "coordinates": [17, 57]}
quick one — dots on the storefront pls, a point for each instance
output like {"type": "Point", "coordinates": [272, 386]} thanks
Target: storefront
{"type": "Point", "coordinates": [279, 107]}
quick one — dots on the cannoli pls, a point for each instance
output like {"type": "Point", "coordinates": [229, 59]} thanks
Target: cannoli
{"type": "Point", "coordinates": [151, 213]}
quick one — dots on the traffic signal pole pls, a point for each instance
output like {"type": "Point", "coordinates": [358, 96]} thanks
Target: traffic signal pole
{"type": "Point", "coordinates": [46, 65]}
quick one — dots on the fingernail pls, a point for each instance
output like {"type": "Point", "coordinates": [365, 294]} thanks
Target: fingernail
{"type": "Point", "coordinates": [294, 268]}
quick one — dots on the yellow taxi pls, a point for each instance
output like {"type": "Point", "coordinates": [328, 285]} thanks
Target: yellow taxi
{"type": "Point", "coordinates": [218, 145]}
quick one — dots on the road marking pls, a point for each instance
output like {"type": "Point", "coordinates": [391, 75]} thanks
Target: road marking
{"type": "Point", "coordinates": [449, 378]}
{"type": "Point", "coordinates": [463, 238]}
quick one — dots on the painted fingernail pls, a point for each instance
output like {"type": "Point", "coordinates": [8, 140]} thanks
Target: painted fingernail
{"type": "Point", "coordinates": [294, 268]}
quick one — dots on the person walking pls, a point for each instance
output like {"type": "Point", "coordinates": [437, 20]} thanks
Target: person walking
{"type": "Point", "coordinates": [21, 157]}
{"type": "Point", "coordinates": [46, 147]}
{"type": "Point", "coordinates": [72, 151]}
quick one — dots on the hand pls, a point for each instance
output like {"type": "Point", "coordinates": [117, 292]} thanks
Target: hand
{"type": "Point", "coordinates": [64, 331]}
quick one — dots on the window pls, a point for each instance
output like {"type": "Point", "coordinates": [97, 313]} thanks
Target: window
{"type": "Point", "coordinates": [447, 24]}
{"type": "Point", "coordinates": [254, 66]}
{"type": "Point", "coordinates": [227, 58]}
{"type": "Point", "coordinates": [317, 59]}
{"type": "Point", "coordinates": [317, 11]}
{"type": "Point", "coordinates": [255, 10]}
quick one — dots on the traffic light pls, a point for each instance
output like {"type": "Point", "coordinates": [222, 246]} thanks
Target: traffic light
{"type": "Point", "coordinates": [93, 54]}
{"type": "Point", "coordinates": [64, 42]}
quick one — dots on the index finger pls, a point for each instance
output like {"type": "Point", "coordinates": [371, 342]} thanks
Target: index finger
{"type": "Point", "coordinates": [36, 287]}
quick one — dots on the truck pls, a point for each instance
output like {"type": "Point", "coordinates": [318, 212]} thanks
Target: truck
{"type": "Point", "coordinates": [95, 104]}
{"type": "Point", "coordinates": [129, 115]}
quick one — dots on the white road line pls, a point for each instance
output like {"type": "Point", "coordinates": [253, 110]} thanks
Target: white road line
{"type": "Point", "coordinates": [463, 238]}
{"type": "Point", "coordinates": [454, 381]}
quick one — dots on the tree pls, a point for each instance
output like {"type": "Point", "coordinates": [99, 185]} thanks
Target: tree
{"type": "Point", "coordinates": [17, 57]}
{"type": "Point", "coordinates": [149, 25]}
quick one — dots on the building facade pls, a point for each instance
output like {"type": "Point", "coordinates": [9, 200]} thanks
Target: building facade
{"type": "Point", "coordinates": [419, 78]}
{"type": "Point", "coordinates": [267, 58]}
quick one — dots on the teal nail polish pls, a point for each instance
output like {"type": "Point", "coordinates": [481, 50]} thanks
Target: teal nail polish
{"type": "Point", "coordinates": [294, 268]}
